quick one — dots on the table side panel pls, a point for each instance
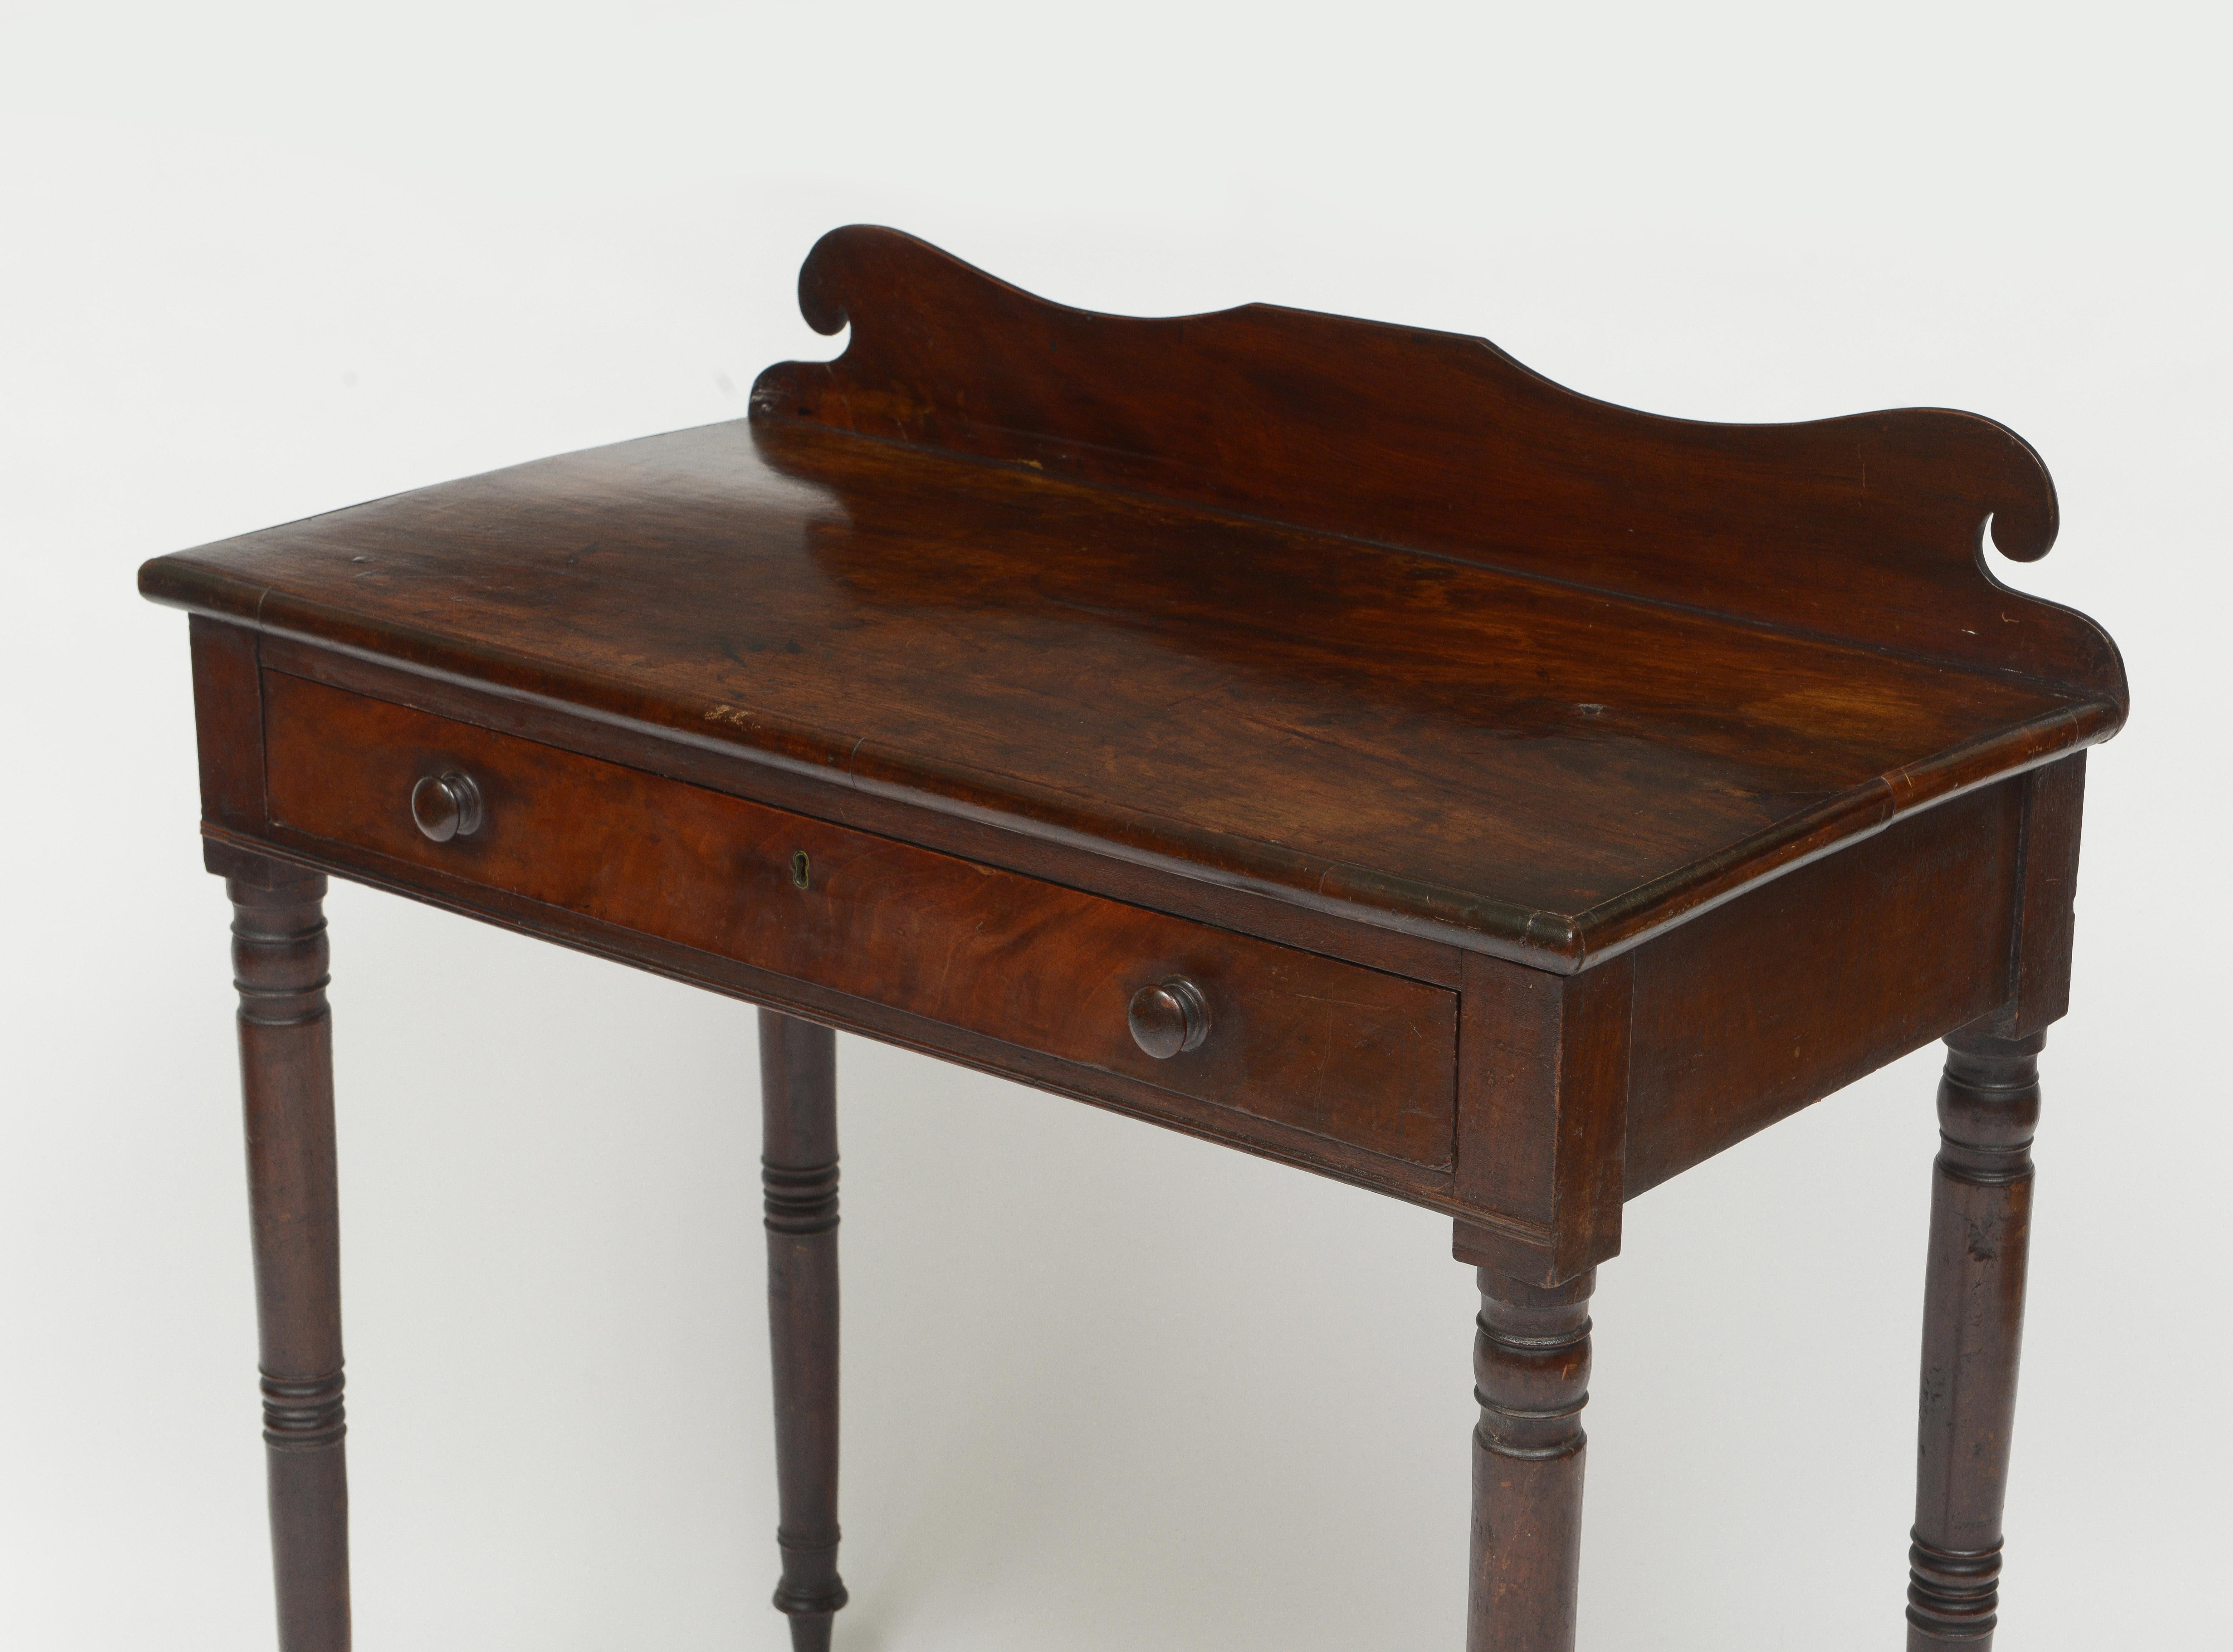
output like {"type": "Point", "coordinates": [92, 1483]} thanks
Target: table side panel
{"type": "Point", "coordinates": [1354, 1055]}
{"type": "Point", "coordinates": [1751, 1011]}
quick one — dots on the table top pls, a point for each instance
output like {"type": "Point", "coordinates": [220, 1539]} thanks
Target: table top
{"type": "Point", "coordinates": [1369, 618]}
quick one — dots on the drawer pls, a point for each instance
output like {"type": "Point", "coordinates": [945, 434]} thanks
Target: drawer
{"type": "Point", "coordinates": [1363, 1057]}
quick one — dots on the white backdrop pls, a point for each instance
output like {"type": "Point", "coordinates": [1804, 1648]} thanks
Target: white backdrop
{"type": "Point", "coordinates": [1106, 1388]}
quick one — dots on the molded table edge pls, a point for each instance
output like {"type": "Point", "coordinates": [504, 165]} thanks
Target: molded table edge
{"type": "Point", "coordinates": [1560, 943]}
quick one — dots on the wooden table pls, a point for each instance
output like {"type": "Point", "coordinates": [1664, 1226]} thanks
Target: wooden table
{"type": "Point", "coordinates": [1327, 738]}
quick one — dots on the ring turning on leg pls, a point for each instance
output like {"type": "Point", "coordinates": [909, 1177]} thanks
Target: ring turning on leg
{"type": "Point", "coordinates": [1972, 1332]}
{"type": "Point", "coordinates": [1532, 1377]}
{"type": "Point", "coordinates": [798, 1170]}
{"type": "Point", "coordinates": [287, 1093]}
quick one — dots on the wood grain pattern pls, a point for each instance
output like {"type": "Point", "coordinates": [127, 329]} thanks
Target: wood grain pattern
{"type": "Point", "coordinates": [1266, 1138]}
{"type": "Point", "coordinates": [1353, 1055]}
{"type": "Point", "coordinates": [721, 768]}
{"type": "Point", "coordinates": [1545, 1070]}
{"type": "Point", "coordinates": [1418, 743]}
{"type": "Point", "coordinates": [1543, 795]}
{"type": "Point", "coordinates": [1431, 731]}
{"type": "Point", "coordinates": [1866, 529]}
{"type": "Point", "coordinates": [1820, 960]}
{"type": "Point", "coordinates": [1761, 1007]}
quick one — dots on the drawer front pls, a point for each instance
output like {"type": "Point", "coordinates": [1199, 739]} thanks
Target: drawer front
{"type": "Point", "coordinates": [1365, 1058]}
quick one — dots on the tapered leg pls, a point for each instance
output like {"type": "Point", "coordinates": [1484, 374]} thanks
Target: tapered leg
{"type": "Point", "coordinates": [798, 1169]}
{"type": "Point", "coordinates": [287, 1087]}
{"type": "Point", "coordinates": [1532, 1377]}
{"type": "Point", "coordinates": [1972, 1330]}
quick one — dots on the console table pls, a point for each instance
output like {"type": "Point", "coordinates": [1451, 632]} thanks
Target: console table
{"type": "Point", "coordinates": [1327, 738]}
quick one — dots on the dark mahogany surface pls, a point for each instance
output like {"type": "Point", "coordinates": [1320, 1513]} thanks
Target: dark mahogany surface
{"type": "Point", "coordinates": [1024, 660]}
{"type": "Point", "coordinates": [1352, 1054]}
{"type": "Point", "coordinates": [1547, 755]}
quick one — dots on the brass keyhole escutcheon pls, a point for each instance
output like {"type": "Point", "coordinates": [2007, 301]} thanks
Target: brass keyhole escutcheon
{"type": "Point", "coordinates": [802, 870]}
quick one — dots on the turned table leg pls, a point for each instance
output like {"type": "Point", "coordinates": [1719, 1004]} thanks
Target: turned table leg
{"type": "Point", "coordinates": [798, 1170]}
{"type": "Point", "coordinates": [1972, 1330]}
{"type": "Point", "coordinates": [287, 1088]}
{"type": "Point", "coordinates": [1531, 1374]}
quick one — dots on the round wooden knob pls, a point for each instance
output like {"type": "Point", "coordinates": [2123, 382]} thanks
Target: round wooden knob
{"type": "Point", "coordinates": [1169, 1016]}
{"type": "Point", "coordinates": [446, 805]}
